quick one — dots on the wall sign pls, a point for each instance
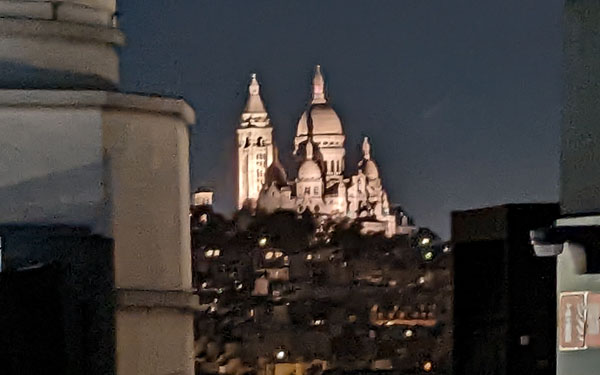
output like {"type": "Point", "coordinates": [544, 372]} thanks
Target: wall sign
{"type": "Point", "coordinates": [592, 331]}
{"type": "Point", "coordinates": [572, 321]}
{"type": "Point", "coordinates": [579, 321]}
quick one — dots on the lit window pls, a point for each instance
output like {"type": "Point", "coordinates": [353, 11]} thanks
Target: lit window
{"type": "Point", "coordinates": [278, 254]}
{"type": "Point", "coordinates": [318, 322]}
{"type": "Point", "coordinates": [269, 255]}
{"type": "Point", "coordinates": [428, 255]}
{"type": "Point", "coordinates": [425, 241]}
{"type": "Point", "coordinates": [212, 253]}
{"type": "Point", "coordinates": [408, 333]}
{"type": "Point", "coordinates": [309, 256]}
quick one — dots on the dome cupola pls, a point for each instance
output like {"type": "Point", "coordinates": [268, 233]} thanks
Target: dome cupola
{"type": "Point", "coordinates": [320, 118]}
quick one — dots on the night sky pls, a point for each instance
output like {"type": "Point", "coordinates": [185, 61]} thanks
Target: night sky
{"type": "Point", "coordinates": [461, 99]}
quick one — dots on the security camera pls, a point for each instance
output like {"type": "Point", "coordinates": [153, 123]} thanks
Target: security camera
{"type": "Point", "coordinates": [582, 241]}
{"type": "Point", "coordinates": [547, 242]}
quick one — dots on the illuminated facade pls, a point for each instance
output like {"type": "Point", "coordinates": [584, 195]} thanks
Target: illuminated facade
{"type": "Point", "coordinates": [320, 186]}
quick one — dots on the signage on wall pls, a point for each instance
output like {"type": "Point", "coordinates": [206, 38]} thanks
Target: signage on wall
{"type": "Point", "coordinates": [579, 321]}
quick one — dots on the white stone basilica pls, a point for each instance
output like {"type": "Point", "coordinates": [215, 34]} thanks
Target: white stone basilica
{"type": "Point", "coordinates": [320, 186]}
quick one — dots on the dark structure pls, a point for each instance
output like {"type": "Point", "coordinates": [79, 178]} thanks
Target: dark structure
{"type": "Point", "coordinates": [580, 135]}
{"type": "Point", "coordinates": [575, 238]}
{"type": "Point", "coordinates": [504, 300]}
{"type": "Point", "coordinates": [57, 309]}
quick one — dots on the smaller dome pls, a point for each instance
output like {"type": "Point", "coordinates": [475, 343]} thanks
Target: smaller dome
{"type": "Point", "coordinates": [309, 170]}
{"type": "Point", "coordinates": [370, 169]}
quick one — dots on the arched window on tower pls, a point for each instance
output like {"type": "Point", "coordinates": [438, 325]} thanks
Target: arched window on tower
{"type": "Point", "coordinates": [332, 167]}
{"type": "Point", "coordinates": [337, 165]}
{"type": "Point", "coordinates": [247, 143]}
{"type": "Point", "coordinates": [260, 141]}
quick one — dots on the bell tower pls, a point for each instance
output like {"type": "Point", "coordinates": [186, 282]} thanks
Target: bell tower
{"type": "Point", "coordinates": [255, 147]}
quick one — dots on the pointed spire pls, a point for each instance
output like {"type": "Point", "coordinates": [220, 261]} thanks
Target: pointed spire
{"type": "Point", "coordinates": [254, 103]}
{"type": "Point", "coordinates": [318, 86]}
{"type": "Point", "coordinates": [253, 88]}
{"type": "Point", "coordinates": [309, 150]}
{"type": "Point", "coordinates": [275, 173]}
{"type": "Point", "coordinates": [366, 148]}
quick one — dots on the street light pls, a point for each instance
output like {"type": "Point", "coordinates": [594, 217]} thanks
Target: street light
{"type": "Point", "coordinates": [262, 242]}
{"type": "Point", "coordinates": [280, 355]}
{"type": "Point", "coordinates": [427, 366]}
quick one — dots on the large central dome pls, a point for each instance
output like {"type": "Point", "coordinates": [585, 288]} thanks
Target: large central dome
{"type": "Point", "coordinates": [319, 119]}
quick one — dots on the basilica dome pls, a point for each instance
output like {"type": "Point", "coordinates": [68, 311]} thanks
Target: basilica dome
{"type": "Point", "coordinates": [324, 121]}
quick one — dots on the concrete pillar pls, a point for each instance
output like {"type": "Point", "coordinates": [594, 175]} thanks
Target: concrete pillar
{"type": "Point", "coordinates": [74, 153]}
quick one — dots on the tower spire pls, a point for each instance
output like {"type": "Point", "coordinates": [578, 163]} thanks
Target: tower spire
{"type": "Point", "coordinates": [254, 103]}
{"type": "Point", "coordinates": [253, 88]}
{"type": "Point", "coordinates": [318, 86]}
{"type": "Point", "coordinates": [366, 148]}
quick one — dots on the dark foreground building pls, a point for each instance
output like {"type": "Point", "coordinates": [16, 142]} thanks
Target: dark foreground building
{"type": "Point", "coordinates": [575, 238]}
{"type": "Point", "coordinates": [282, 297]}
{"type": "Point", "coordinates": [57, 305]}
{"type": "Point", "coordinates": [504, 304]}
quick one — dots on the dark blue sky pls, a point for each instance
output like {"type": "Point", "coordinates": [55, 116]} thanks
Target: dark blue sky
{"type": "Point", "coordinates": [461, 98]}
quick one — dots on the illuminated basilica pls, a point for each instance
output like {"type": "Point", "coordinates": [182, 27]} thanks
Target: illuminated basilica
{"type": "Point", "coordinates": [320, 186]}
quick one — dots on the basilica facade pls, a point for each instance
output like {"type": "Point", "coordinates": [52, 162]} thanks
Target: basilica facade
{"type": "Point", "coordinates": [321, 186]}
